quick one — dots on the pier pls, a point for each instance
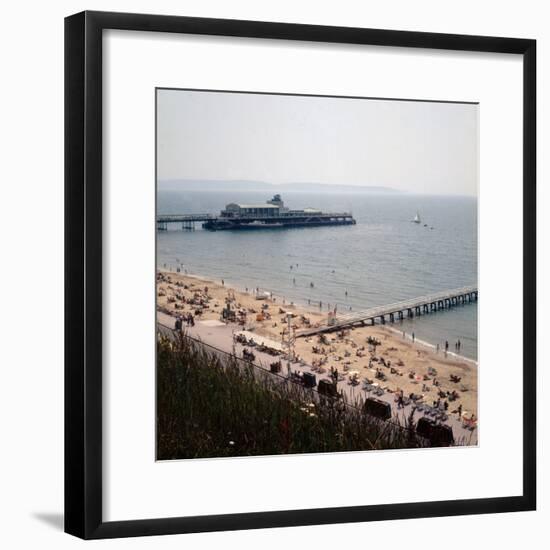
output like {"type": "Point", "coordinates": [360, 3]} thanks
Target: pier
{"type": "Point", "coordinates": [399, 310]}
{"type": "Point", "coordinates": [187, 221]}
{"type": "Point", "coordinates": [258, 221]}
{"type": "Point", "coordinates": [271, 214]}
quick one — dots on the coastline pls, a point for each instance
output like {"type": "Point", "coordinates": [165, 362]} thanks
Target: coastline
{"type": "Point", "coordinates": [208, 278]}
{"type": "Point", "coordinates": [412, 362]}
{"type": "Point", "coordinates": [433, 347]}
{"type": "Point", "coordinates": [302, 304]}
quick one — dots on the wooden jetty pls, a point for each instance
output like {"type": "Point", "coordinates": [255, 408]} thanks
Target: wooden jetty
{"type": "Point", "coordinates": [398, 310]}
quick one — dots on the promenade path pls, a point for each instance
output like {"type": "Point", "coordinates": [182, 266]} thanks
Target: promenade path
{"type": "Point", "coordinates": [221, 338]}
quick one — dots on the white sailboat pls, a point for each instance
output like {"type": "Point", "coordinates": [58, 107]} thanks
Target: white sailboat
{"type": "Point", "coordinates": [417, 218]}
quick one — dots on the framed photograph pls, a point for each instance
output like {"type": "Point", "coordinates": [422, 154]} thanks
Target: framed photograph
{"type": "Point", "coordinates": [300, 275]}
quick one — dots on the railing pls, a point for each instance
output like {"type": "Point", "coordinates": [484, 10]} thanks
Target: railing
{"type": "Point", "coordinates": [408, 304]}
{"type": "Point", "coordinates": [278, 379]}
{"type": "Point", "coordinates": [174, 218]}
{"type": "Point", "coordinates": [183, 217]}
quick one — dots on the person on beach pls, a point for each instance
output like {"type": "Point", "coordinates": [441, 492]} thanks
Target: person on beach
{"type": "Point", "coordinates": [460, 411]}
{"type": "Point", "coordinates": [223, 282]}
{"type": "Point", "coordinates": [400, 402]}
{"type": "Point", "coordinates": [458, 345]}
{"type": "Point", "coordinates": [412, 336]}
{"type": "Point", "coordinates": [446, 346]}
{"type": "Point", "coordinates": [437, 348]}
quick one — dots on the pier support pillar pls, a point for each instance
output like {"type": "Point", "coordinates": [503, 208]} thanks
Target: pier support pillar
{"type": "Point", "coordinates": [400, 315]}
{"type": "Point", "coordinates": [392, 318]}
{"type": "Point", "coordinates": [382, 319]}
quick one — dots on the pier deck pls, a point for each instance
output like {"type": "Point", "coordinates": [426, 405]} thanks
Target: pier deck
{"type": "Point", "coordinates": [409, 308]}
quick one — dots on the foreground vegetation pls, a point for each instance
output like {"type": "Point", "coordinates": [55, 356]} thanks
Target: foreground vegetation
{"type": "Point", "coordinates": [213, 405]}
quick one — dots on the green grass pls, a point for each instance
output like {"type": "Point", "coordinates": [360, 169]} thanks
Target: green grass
{"type": "Point", "coordinates": [209, 405]}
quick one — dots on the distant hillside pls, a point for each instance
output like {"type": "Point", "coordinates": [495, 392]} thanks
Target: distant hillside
{"type": "Point", "coordinates": [250, 185]}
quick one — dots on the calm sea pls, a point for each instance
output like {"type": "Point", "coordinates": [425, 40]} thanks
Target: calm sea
{"type": "Point", "coordinates": [384, 258]}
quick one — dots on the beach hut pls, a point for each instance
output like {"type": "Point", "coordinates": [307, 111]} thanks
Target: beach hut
{"type": "Point", "coordinates": [377, 408]}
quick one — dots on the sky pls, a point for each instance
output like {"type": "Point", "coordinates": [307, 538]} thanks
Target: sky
{"type": "Point", "coordinates": [419, 147]}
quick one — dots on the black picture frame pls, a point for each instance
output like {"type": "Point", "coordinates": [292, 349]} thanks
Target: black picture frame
{"type": "Point", "coordinates": [83, 273]}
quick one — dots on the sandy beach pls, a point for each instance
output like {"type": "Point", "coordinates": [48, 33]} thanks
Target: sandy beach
{"type": "Point", "coordinates": [395, 364]}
